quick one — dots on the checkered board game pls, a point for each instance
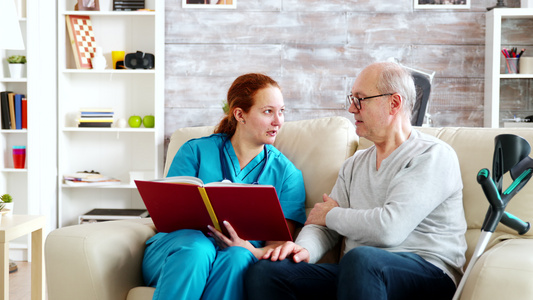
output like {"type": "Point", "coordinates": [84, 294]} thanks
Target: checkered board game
{"type": "Point", "coordinates": [80, 31]}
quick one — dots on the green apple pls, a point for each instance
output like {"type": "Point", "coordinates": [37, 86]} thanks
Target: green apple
{"type": "Point", "coordinates": [149, 121]}
{"type": "Point", "coordinates": [135, 121]}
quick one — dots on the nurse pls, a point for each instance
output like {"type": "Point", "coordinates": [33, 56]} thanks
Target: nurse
{"type": "Point", "coordinates": [187, 264]}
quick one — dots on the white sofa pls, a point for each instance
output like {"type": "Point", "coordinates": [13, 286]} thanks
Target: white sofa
{"type": "Point", "coordinates": [103, 261]}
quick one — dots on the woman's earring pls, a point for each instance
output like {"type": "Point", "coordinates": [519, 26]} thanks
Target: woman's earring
{"type": "Point", "coordinates": [243, 122]}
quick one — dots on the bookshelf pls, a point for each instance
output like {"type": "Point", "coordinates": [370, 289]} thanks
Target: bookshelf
{"type": "Point", "coordinates": [116, 151]}
{"type": "Point", "coordinates": [495, 75]}
{"type": "Point", "coordinates": [34, 187]}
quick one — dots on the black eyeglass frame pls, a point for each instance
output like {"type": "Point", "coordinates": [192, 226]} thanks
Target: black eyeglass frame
{"type": "Point", "coordinates": [357, 101]}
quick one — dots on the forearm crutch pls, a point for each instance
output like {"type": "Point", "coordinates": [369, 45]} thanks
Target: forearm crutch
{"type": "Point", "coordinates": [510, 154]}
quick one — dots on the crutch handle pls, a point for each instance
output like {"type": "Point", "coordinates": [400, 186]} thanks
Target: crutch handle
{"type": "Point", "coordinates": [489, 188]}
{"type": "Point", "coordinates": [515, 223]}
{"type": "Point", "coordinates": [497, 207]}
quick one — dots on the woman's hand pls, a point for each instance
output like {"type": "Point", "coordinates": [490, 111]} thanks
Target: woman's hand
{"type": "Point", "coordinates": [233, 239]}
{"type": "Point", "coordinates": [285, 250]}
{"type": "Point", "coordinates": [273, 250]}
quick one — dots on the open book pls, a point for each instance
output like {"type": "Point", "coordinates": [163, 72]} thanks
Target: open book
{"type": "Point", "coordinates": [184, 202]}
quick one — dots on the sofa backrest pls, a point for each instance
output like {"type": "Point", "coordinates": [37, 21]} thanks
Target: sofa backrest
{"type": "Point", "coordinates": [317, 147]}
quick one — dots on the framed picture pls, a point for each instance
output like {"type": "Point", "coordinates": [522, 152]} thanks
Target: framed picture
{"type": "Point", "coordinates": [87, 5]}
{"type": "Point", "coordinates": [442, 4]}
{"type": "Point", "coordinates": [208, 4]}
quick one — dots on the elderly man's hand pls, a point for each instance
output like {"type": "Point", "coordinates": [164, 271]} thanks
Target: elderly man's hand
{"type": "Point", "coordinates": [318, 214]}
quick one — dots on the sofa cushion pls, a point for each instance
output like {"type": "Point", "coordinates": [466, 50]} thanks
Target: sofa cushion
{"type": "Point", "coordinates": [503, 272]}
{"type": "Point", "coordinates": [141, 293]}
{"type": "Point", "coordinates": [318, 151]}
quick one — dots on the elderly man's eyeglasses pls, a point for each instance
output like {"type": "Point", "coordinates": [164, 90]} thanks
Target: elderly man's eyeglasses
{"type": "Point", "coordinates": [357, 101]}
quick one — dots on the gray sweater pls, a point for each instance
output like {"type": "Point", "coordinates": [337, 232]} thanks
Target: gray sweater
{"type": "Point", "coordinates": [413, 203]}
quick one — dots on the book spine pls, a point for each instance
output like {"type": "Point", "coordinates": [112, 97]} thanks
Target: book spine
{"type": "Point", "coordinates": [24, 113]}
{"type": "Point", "coordinates": [11, 97]}
{"type": "Point", "coordinates": [209, 208]}
{"type": "Point", "coordinates": [18, 110]}
{"type": "Point", "coordinates": [6, 122]}
{"type": "Point", "coordinates": [95, 124]}
{"type": "Point", "coordinates": [94, 120]}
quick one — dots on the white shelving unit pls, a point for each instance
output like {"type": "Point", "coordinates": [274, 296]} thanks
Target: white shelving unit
{"type": "Point", "coordinates": [34, 187]}
{"type": "Point", "coordinates": [15, 181]}
{"type": "Point", "coordinates": [113, 152]}
{"type": "Point", "coordinates": [494, 61]}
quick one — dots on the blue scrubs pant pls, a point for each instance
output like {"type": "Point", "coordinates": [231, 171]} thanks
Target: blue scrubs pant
{"type": "Point", "coordinates": [363, 273]}
{"type": "Point", "coordinates": [186, 264]}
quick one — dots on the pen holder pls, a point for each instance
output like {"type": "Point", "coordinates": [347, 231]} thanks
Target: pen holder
{"type": "Point", "coordinates": [118, 59]}
{"type": "Point", "coordinates": [19, 157]}
{"type": "Point", "coordinates": [511, 65]}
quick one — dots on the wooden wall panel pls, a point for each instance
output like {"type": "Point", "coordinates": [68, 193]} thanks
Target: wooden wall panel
{"type": "Point", "coordinates": [315, 48]}
{"type": "Point", "coordinates": [229, 26]}
{"type": "Point", "coordinates": [420, 28]}
{"type": "Point", "coordinates": [339, 60]}
{"type": "Point", "coordinates": [221, 59]}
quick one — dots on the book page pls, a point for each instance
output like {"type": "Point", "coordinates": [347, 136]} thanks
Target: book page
{"type": "Point", "coordinates": [226, 183]}
{"type": "Point", "coordinates": [181, 179]}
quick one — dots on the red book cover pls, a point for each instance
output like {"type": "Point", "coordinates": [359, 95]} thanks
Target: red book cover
{"type": "Point", "coordinates": [24, 113]}
{"type": "Point", "coordinates": [253, 210]}
{"type": "Point", "coordinates": [80, 31]}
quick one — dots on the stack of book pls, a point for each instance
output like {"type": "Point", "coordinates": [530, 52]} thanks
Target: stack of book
{"type": "Point", "coordinates": [14, 109]}
{"type": "Point", "coordinates": [96, 117]}
{"type": "Point", "coordinates": [128, 5]}
{"type": "Point", "coordinates": [89, 179]}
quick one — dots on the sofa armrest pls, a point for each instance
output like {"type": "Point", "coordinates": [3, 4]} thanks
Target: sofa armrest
{"type": "Point", "coordinates": [96, 261]}
{"type": "Point", "coordinates": [503, 272]}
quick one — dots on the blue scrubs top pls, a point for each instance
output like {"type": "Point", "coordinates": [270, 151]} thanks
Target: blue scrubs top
{"type": "Point", "coordinates": [201, 158]}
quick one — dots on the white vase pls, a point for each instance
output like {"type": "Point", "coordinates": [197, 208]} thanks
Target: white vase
{"type": "Point", "coordinates": [9, 206]}
{"type": "Point", "coordinates": [98, 61]}
{"type": "Point", "coordinates": [16, 70]}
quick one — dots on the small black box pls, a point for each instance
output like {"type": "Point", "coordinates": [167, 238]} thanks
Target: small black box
{"type": "Point", "coordinates": [128, 5]}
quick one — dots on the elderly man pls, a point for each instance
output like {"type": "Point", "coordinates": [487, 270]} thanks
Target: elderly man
{"type": "Point", "coordinates": [398, 206]}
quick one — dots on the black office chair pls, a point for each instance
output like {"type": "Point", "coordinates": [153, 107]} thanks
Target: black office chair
{"type": "Point", "coordinates": [423, 89]}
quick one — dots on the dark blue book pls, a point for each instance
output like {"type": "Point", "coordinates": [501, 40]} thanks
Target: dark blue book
{"type": "Point", "coordinates": [18, 110]}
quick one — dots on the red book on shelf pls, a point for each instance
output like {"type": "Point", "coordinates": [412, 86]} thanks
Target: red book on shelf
{"type": "Point", "coordinates": [24, 113]}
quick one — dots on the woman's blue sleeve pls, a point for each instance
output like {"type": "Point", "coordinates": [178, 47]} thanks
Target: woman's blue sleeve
{"type": "Point", "coordinates": [185, 162]}
{"type": "Point", "coordinates": [292, 197]}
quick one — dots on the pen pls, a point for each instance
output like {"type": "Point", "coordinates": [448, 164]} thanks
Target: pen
{"type": "Point", "coordinates": [506, 53]}
{"type": "Point", "coordinates": [503, 52]}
